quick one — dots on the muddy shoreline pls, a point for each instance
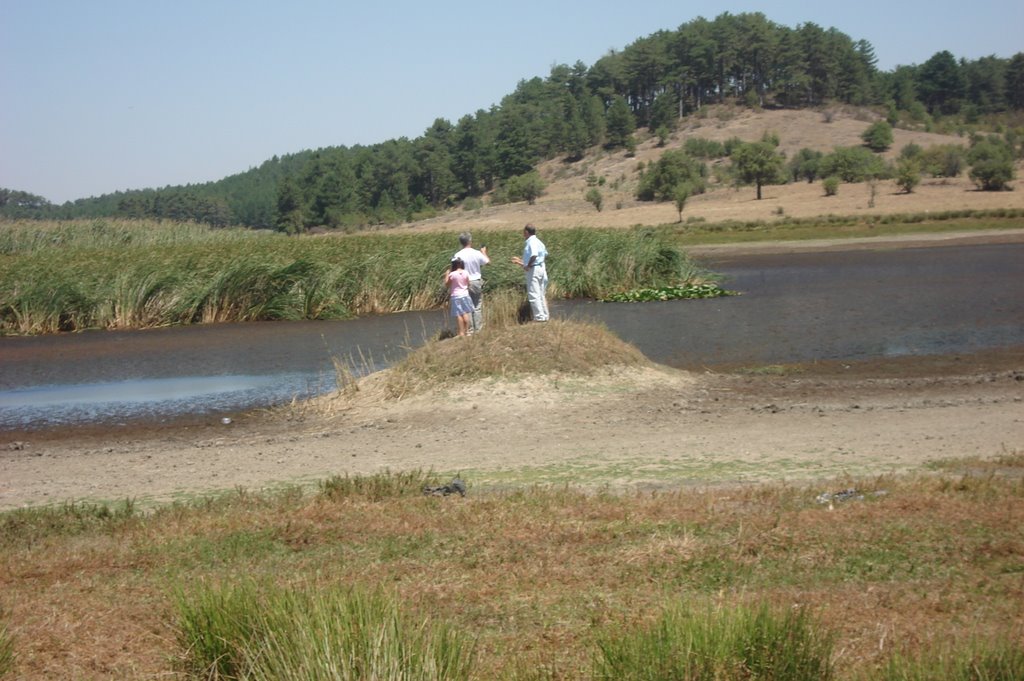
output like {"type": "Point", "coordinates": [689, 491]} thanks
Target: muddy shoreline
{"type": "Point", "coordinates": [635, 429]}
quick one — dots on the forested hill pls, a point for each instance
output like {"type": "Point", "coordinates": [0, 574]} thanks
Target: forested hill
{"type": "Point", "coordinates": [652, 83]}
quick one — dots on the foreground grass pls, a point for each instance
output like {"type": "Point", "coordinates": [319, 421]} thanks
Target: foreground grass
{"type": "Point", "coordinates": [73, 276]}
{"type": "Point", "coordinates": [538, 583]}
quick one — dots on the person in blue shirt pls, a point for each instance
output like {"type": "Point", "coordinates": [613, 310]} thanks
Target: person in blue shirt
{"type": "Point", "coordinates": [535, 254]}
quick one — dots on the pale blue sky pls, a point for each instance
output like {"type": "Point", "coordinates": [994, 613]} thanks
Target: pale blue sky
{"type": "Point", "coordinates": [107, 95]}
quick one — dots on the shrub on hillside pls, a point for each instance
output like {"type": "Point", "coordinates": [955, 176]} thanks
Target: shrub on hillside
{"type": "Point", "coordinates": [526, 187]}
{"type": "Point", "coordinates": [851, 164]}
{"type": "Point", "coordinates": [675, 167]}
{"type": "Point", "coordinates": [805, 164]}
{"type": "Point", "coordinates": [908, 174]}
{"type": "Point", "coordinates": [700, 147]}
{"type": "Point", "coordinates": [943, 160]}
{"type": "Point", "coordinates": [991, 162]}
{"type": "Point", "coordinates": [878, 136]}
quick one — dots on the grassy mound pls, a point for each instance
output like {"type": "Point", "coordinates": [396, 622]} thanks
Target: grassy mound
{"type": "Point", "coordinates": [557, 346]}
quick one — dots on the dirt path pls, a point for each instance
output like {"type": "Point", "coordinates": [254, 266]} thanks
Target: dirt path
{"type": "Point", "coordinates": [645, 428]}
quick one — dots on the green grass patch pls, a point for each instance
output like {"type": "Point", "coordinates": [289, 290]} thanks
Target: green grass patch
{"type": "Point", "coordinates": [690, 644]}
{"type": "Point", "coordinates": [263, 632]}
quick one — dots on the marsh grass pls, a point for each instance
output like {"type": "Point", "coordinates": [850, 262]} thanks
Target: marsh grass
{"type": "Point", "coordinates": [687, 643]}
{"type": "Point", "coordinates": [73, 276]}
{"type": "Point", "coordinates": [263, 632]}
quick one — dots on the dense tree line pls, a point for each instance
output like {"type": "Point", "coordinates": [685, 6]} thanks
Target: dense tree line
{"type": "Point", "coordinates": [652, 83]}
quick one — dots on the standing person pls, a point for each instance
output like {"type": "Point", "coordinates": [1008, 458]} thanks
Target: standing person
{"type": "Point", "coordinates": [474, 260]}
{"type": "Point", "coordinates": [534, 256]}
{"type": "Point", "coordinates": [457, 281]}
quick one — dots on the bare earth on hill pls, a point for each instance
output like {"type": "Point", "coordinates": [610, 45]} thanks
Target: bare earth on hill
{"type": "Point", "coordinates": [563, 205]}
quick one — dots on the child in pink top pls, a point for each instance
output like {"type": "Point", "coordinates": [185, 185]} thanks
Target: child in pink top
{"type": "Point", "coordinates": [457, 281]}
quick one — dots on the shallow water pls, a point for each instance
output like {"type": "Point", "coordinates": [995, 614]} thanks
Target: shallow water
{"type": "Point", "coordinates": [799, 307]}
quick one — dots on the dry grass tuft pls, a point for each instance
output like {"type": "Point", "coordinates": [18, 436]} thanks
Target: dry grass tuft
{"type": "Point", "coordinates": [561, 347]}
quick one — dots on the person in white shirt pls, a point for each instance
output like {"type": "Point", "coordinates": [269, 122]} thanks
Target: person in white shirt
{"type": "Point", "coordinates": [535, 254]}
{"type": "Point", "coordinates": [473, 261]}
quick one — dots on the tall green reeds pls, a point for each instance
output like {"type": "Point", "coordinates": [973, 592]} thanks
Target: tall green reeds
{"type": "Point", "coordinates": [687, 644]}
{"type": "Point", "coordinates": [74, 276]}
{"type": "Point", "coordinates": [264, 633]}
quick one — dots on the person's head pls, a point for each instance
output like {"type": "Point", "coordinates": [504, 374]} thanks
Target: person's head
{"type": "Point", "coordinates": [457, 264]}
{"type": "Point", "coordinates": [465, 239]}
{"type": "Point", "coordinates": [529, 231]}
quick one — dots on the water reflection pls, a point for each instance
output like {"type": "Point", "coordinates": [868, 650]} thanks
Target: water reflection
{"type": "Point", "coordinates": [159, 398]}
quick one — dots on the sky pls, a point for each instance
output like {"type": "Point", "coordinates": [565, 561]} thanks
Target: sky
{"type": "Point", "coordinates": [101, 96]}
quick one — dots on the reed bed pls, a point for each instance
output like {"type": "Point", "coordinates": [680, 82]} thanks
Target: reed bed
{"type": "Point", "coordinates": [69, 277]}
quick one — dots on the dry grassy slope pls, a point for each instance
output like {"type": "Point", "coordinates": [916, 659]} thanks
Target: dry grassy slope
{"type": "Point", "coordinates": [563, 205]}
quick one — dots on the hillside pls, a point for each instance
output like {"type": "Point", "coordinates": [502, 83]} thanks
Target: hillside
{"type": "Point", "coordinates": [563, 205]}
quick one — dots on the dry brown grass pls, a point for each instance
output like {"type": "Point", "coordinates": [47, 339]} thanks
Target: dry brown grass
{"type": "Point", "coordinates": [536, 574]}
{"type": "Point", "coordinates": [557, 346]}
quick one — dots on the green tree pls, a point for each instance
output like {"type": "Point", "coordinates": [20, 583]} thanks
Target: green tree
{"type": "Point", "coordinates": [594, 119]}
{"type": "Point", "coordinates": [435, 180]}
{"type": "Point", "coordinates": [1014, 81]}
{"type": "Point", "coordinates": [290, 212]}
{"type": "Point", "coordinates": [663, 112]}
{"type": "Point", "coordinates": [878, 136]}
{"type": "Point", "coordinates": [985, 84]}
{"type": "Point", "coordinates": [512, 145]}
{"type": "Point", "coordinates": [576, 137]}
{"type": "Point", "coordinates": [940, 83]}
{"type": "Point", "coordinates": [594, 196]}
{"type": "Point", "coordinates": [621, 123]}
{"type": "Point", "coordinates": [467, 160]}
{"type": "Point", "coordinates": [901, 87]}
{"type": "Point", "coordinates": [679, 196]}
{"type": "Point", "coordinates": [758, 163]}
